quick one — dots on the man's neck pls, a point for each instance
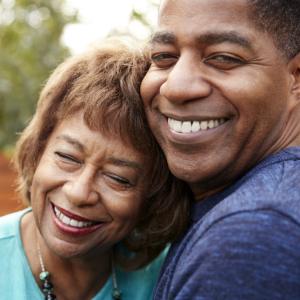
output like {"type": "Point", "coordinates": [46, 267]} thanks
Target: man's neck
{"type": "Point", "coordinates": [200, 194]}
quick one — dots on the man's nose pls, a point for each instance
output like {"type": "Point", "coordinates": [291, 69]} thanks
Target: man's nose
{"type": "Point", "coordinates": [80, 189]}
{"type": "Point", "coordinates": [186, 81]}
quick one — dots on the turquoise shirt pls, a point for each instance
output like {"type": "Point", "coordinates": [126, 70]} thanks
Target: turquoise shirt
{"type": "Point", "coordinates": [17, 281]}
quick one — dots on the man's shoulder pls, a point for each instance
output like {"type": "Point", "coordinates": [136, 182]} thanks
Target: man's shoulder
{"type": "Point", "coordinates": [272, 185]}
{"type": "Point", "coordinates": [246, 229]}
{"type": "Point", "coordinates": [259, 248]}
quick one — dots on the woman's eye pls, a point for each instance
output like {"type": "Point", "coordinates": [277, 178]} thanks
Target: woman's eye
{"type": "Point", "coordinates": [119, 180]}
{"type": "Point", "coordinates": [67, 157]}
{"type": "Point", "coordinates": [224, 62]}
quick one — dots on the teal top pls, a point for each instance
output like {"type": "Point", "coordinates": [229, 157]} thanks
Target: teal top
{"type": "Point", "coordinates": [17, 281]}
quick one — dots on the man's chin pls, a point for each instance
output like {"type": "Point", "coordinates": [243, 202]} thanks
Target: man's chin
{"type": "Point", "coordinates": [193, 175]}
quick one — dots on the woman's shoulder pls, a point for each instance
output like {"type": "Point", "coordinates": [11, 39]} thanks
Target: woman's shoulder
{"type": "Point", "coordinates": [9, 224]}
{"type": "Point", "coordinates": [16, 279]}
{"type": "Point", "coordinates": [140, 284]}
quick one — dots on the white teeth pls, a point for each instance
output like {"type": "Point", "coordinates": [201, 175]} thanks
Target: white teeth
{"type": "Point", "coordinates": [203, 125]}
{"type": "Point", "coordinates": [211, 124]}
{"type": "Point", "coordinates": [194, 126]}
{"type": "Point", "coordinates": [66, 220]}
{"type": "Point", "coordinates": [57, 211]}
{"type": "Point", "coordinates": [74, 223]}
{"type": "Point", "coordinates": [186, 127]}
{"type": "Point", "coordinates": [177, 126]}
{"type": "Point", "coordinates": [71, 222]}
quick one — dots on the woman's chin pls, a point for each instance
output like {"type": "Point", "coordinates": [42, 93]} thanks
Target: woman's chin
{"type": "Point", "coordinates": [68, 250]}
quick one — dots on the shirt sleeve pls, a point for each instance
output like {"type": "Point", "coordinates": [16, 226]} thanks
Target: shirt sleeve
{"type": "Point", "coordinates": [250, 255]}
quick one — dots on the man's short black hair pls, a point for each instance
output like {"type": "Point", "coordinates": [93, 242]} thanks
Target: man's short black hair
{"type": "Point", "coordinates": [281, 20]}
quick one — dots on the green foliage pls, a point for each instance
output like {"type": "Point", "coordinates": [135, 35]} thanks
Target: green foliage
{"type": "Point", "coordinates": [139, 19]}
{"type": "Point", "coordinates": [30, 48]}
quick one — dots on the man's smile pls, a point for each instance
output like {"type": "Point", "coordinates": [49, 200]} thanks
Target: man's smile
{"type": "Point", "coordinates": [194, 126]}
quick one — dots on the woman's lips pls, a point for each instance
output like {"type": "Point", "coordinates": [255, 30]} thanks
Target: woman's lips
{"type": "Point", "coordinates": [69, 230]}
{"type": "Point", "coordinates": [72, 216]}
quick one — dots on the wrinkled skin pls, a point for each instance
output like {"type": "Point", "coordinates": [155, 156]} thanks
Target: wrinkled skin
{"type": "Point", "coordinates": [91, 176]}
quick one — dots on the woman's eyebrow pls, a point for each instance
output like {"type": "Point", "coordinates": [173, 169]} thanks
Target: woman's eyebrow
{"type": "Point", "coordinates": [72, 141]}
{"type": "Point", "coordinates": [126, 163]}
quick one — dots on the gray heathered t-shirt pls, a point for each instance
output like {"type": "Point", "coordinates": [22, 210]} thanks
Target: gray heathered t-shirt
{"type": "Point", "coordinates": [244, 241]}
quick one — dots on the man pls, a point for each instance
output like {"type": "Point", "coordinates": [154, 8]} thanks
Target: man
{"type": "Point", "coordinates": [222, 97]}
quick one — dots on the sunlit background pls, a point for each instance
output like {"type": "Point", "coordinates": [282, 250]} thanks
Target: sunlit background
{"type": "Point", "coordinates": [35, 35]}
{"type": "Point", "coordinates": [99, 18]}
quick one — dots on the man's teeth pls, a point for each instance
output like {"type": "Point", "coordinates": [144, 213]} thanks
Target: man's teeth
{"type": "Point", "coordinates": [193, 126]}
{"type": "Point", "coordinates": [71, 222]}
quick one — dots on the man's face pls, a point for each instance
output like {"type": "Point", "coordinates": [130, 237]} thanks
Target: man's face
{"type": "Point", "coordinates": [216, 95]}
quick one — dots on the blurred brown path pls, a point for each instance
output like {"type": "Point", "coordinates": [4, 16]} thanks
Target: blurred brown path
{"type": "Point", "coordinates": [8, 199]}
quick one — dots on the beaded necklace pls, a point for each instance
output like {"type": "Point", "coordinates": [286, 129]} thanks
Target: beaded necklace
{"type": "Point", "coordinates": [48, 286]}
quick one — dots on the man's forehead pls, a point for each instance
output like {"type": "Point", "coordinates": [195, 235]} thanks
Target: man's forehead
{"type": "Point", "coordinates": [189, 9]}
{"type": "Point", "coordinates": [206, 22]}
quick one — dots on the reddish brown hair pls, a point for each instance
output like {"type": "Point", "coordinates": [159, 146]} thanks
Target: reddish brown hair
{"type": "Point", "coordinates": [103, 83]}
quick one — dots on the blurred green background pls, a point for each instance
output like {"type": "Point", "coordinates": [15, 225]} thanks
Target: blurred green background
{"type": "Point", "coordinates": [30, 47]}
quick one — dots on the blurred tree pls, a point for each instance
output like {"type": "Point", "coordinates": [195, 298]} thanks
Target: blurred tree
{"type": "Point", "coordinates": [30, 48]}
{"type": "Point", "coordinates": [142, 21]}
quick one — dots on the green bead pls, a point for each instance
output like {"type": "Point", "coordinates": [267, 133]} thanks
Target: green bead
{"type": "Point", "coordinates": [116, 293]}
{"type": "Point", "coordinates": [44, 275]}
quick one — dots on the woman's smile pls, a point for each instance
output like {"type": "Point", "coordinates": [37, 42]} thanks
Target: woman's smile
{"type": "Point", "coordinates": [72, 227]}
{"type": "Point", "coordinates": [71, 219]}
{"type": "Point", "coordinates": [91, 195]}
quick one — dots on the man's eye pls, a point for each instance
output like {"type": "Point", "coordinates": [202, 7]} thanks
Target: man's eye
{"type": "Point", "coordinates": [224, 62]}
{"type": "Point", "coordinates": [67, 157]}
{"type": "Point", "coordinates": [162, 57]}
{"type": "Point", "coordinates": [163, 60]}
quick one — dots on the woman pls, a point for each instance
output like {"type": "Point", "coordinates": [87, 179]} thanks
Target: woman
{"type": "Point", "coordinates": [103, 202]}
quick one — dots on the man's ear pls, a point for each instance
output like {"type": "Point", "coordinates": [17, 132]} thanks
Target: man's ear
{"type": "Point", "coordinates": [294, 72]}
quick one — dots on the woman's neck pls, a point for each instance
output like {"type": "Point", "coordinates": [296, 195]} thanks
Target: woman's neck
{"type": "Point", "coordinates": [72, 278]}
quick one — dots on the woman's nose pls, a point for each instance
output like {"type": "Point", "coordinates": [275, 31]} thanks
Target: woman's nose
{"type": "Point", "coordinates": [186, 81]}
{"type": "Point", "coordinates": [80, 190]}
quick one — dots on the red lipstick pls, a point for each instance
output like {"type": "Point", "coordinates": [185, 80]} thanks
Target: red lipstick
{"type": "Point", "coordinates": [73, 216]}
{"type": "Point", "coordinates": [69, 230]}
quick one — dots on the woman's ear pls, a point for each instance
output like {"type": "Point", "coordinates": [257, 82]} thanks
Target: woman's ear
{"type": "Point", "coordinates": [294, 71]}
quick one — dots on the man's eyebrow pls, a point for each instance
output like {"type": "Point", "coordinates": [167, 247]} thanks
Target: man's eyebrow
{"type": "Point", "coordinates": [233, 37]}
{"type": "Point", "coordinates": [72, 141]}
{"type": "Point", "coordinates": [126, 163]}
{"type": "Point", "coordinates": [207, 38]}
{"type": "Point", "coordinates": [163, 38]}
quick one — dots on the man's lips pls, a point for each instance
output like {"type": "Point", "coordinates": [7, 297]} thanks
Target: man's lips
{"type": "Point", "coordinates": [194, 126]}
{"type": "Point", "coordinates": [70, 230]}
{"type": "Point", "coordinates": [194, 132]}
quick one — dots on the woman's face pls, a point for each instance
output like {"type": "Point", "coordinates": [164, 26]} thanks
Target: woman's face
{"type": "Point", "coordinates": [87, 191]}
